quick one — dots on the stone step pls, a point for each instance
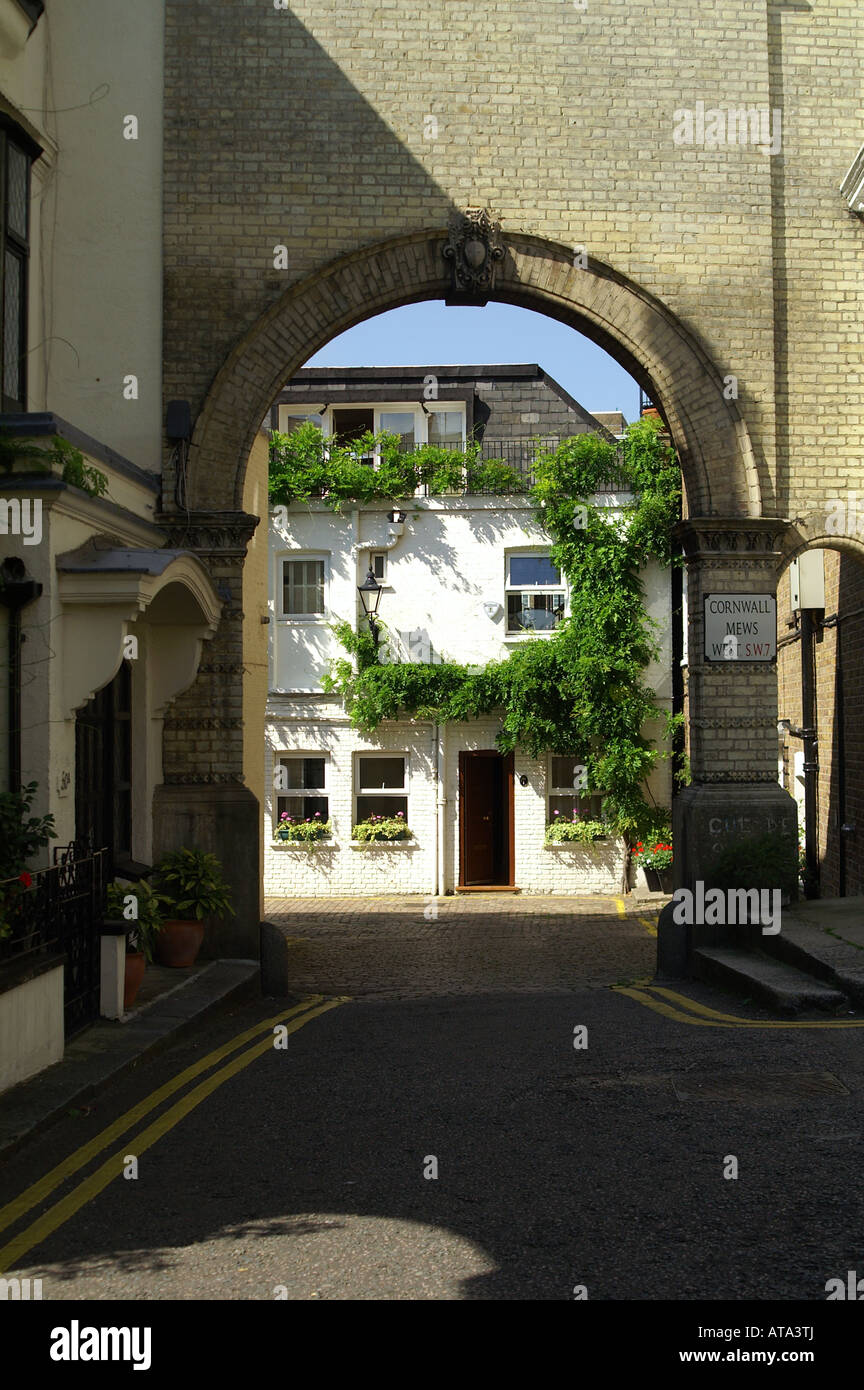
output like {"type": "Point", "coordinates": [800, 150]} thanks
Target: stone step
{"type": "Point", "coordinates": [773, 982]}
{"type": "Point", "coordinates": [818, 951]}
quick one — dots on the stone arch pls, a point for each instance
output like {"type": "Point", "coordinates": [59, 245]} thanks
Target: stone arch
{"type": "Point", "coordinates": [713, 444]}
{"type": "Point", "coordinates": [811, 533]}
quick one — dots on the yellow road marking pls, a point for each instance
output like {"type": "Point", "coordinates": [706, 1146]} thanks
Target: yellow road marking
{"type": "Point", "coordinates": [13, 1211]}
{"type": "Point", "coordinates": [61, 1212]}
{"type": "Point", "coordinates": [650, 927]}
{"type": "Point", "coordinates": [622, 910]}
{"type": "Point", "coordinates": [703, 1017]}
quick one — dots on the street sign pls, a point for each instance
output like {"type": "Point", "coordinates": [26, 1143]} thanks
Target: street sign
{"type": "Point", "coordinates": [740, 627]}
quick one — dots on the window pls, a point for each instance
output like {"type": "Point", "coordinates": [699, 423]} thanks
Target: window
{"type": "Point", "coordinates": [446, 428]}
{"type": "Point", "coordinates": [290, 422]}
{"type": "Point", "coordinates": [352, 424]}
{"type": "Point", "coordinates": [379, 566]}
{"type": "Point", "coordinates": [564, 794]}
{"type": "Point", "coordinates": [302, 784]}
{"type": "Point", "coordinates": [303, 588]}
{"type": "Point", "coordinates": [535, 594]}
{"type": "Point", "coordinates": [399, 422]}
{"type": "Point", "coordinates": [16, 155]}
{"type": "Point", "coordinates": [381, 787]}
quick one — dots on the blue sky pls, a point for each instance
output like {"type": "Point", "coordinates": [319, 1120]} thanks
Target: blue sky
{"type": "Point", "coordinates": [430, 333]}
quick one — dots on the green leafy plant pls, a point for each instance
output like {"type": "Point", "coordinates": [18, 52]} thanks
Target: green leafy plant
{"type": "Point", "coordinates": [12, 450]}
{"type": "Point", "coordinates": [306, 465]}
{"type": "Point", "coordinates": [378, 828]}
{"type": "Point", "coordinates": [60, 454]}
{"type": "Point", "coordinates": [307, 831]}
{"type": "Point", "coordinates": [580, 829]}
{"type": "Point", "coordinates": [191, 885]}
{"type": "Point", "coordinates": [74, 470]}
{"type": "Point", "coordinates": [21, 835]}
{"type": "Point", "coordinates": [144, 928]}
{"type": "Point", "coordinates": [758, 861]}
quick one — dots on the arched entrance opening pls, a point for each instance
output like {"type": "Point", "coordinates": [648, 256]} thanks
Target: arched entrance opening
{"type": "Point", "coordinates": [730, 535]}
{"type": "Point", "coordinates": [820, 603]}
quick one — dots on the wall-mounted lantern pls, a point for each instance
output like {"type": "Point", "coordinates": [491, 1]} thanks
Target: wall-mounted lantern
{"type": "Point", "coordinates": [370, 595]}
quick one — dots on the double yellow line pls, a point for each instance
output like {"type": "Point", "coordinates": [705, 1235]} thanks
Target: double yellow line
{"type": "Point", "coordinates": [112, 1167]}
{"type": "Point", "coordinates": [700, 1016]}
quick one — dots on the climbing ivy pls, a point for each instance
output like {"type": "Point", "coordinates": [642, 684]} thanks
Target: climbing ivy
{"type": "Point", "coordinates": [578, 692]}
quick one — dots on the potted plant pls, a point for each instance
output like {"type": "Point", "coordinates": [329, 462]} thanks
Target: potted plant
{"type": "Point", "coordinates": [191, 885]}
{"type": "Point", "coordinates": [656, 859]}
{"type": "Point", "coordinates": [143, 930]}
{"type": "Point", "coordinates": [376, 829]}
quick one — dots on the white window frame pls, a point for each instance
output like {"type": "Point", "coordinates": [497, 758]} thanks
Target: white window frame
{"type": "Point", "coordinates": [570, 792]}
{"type": "Point", "coordinates": [403, 792]}
{"type": "Point", "coordinates": [439, 408]}
{"type": "Point", "coordinates": [529, 552]}
{"type": "Point", "coordinates": [383, 557]}
{"type": "Point", "coordinates": [285, 755]}
{"type": "Point", "coordinates": [288, 556]}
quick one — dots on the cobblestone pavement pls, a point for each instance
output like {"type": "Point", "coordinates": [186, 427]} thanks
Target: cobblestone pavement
{"type": "Point", "coordinates": [410, 947]}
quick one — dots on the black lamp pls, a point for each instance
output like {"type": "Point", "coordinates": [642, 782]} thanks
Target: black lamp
{"type": "Point", "coordinates": [370, 593]}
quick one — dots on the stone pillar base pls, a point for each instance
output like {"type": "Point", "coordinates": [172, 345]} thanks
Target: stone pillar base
{"type": "Point", "coordinates": [225, 821]}
{"type": "Point", "coordinates": [731, 835]}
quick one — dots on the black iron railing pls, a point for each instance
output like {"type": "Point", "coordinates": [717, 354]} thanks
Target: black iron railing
{"type": "Point", "coordinates": [520, 455]}
{"type": "Point", "coordinates": [59, 910]}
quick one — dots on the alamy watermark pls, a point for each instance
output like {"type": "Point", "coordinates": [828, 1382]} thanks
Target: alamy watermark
{"type": "Point", "coordinates": [21, 516]}
{"type": "Point", "coordinates": [717, 126]}
{"type": "Point", "coordinates": [728, 907]}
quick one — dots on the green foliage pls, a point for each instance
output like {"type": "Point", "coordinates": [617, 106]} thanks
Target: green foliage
{"type": "Point", "coordinates": [61, 454]}
{"type": "Point", "coordinates": [12, 449]}
{"type": "Point", "coordinates": [144, 928]}
{"type": "Point", "coordinates": [580, 829]}
{"type": "Point", "coordinates": [378, 828]}
{"type": "Point", "coordinates": [306, 465]}
{"type": "Point", "coordinates": [20, 833]}
{"type": "Point", "coordinates": [74, 470]}
{"type": "Point", "coordinates": [759, 861]}
{"type": "Point", "coordinates": [304, 832]}
{"type": "Point", "coordinates": [191, 885]}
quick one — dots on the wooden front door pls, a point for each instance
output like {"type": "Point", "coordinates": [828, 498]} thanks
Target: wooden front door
{"type": "Point", "coordinates": [486, 819]}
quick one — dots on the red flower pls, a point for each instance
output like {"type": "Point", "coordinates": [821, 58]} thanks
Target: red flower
{"type": "Point", "coordinates": [26, 879]}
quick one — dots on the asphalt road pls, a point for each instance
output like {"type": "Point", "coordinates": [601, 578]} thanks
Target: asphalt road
{"type": "Point", "coordinates": [302, 1174]}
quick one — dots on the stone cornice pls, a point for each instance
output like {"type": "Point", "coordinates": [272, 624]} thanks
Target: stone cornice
{"type": "Point", "coordinates": [213, 533]}
{"type": "Point", "coordinates": [704, 536]}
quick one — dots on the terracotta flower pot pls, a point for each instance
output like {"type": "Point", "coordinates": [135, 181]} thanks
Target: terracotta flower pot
{"type": "Point", "coordinates": [136, 964]}
{"type": "Point", "coordinates": [178, 943]}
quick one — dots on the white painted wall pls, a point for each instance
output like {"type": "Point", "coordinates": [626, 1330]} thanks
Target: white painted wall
{"type": "Point", "coordinates": [316, 727]}
{"type": "Point", "coordinates": [31, 1027]}
{"type": "Point", "coordinates": [449, 562]}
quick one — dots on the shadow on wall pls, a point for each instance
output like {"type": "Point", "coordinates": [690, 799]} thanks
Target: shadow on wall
{"type": "Point", "coordinates": [296, 120]}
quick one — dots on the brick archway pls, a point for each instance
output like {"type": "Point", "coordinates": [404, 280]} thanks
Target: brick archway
{"type": "Point", "coordinates": [713, 444]}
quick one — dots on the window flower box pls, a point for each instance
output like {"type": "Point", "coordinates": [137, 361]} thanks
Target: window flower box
{"type": "Point", "coordinates": [302, 845]}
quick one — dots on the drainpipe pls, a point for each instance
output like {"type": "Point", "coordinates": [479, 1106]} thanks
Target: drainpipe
{"type": "Point", "coordinates": [811, 752]}
{"type": "Point", "coordinates": [441, 820]}
{"type": "Point", "coordinates": [840, 723]}
{"type": "Point", "coordinates": [16, 591]}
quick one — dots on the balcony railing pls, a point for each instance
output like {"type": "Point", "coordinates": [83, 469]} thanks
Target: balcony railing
{"type": "Point", "coordinates": [520, 455]}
